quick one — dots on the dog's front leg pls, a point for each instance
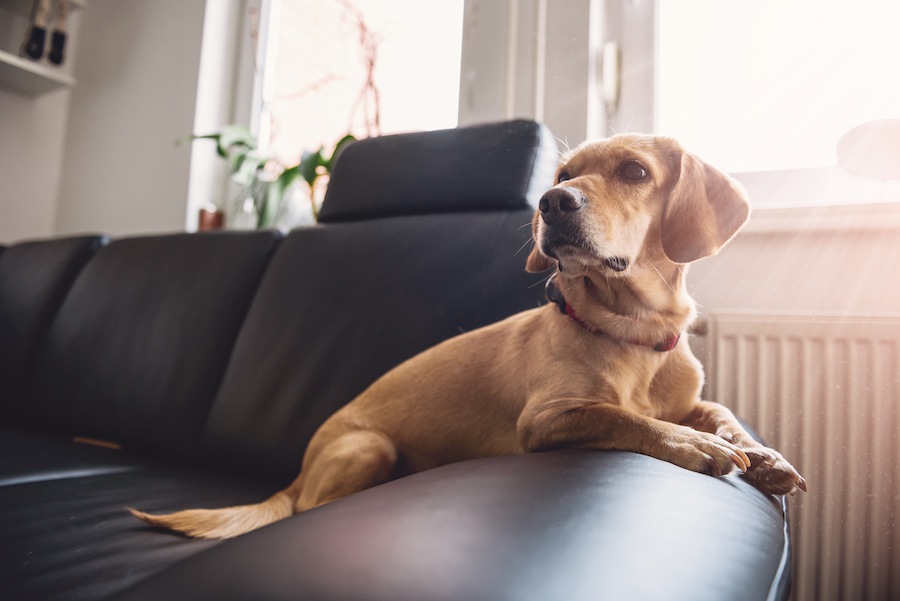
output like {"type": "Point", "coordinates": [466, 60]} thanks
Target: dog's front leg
{"type": "Point", "coordinates": [769, 471]}
{"type": "Point", "coordinates": [582, 423]}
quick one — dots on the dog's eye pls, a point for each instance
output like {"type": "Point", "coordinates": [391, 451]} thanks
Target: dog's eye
{"type": "Point", "coordinates": [632, 171]}
{"type": "Point", "coordinates": [563, 177]}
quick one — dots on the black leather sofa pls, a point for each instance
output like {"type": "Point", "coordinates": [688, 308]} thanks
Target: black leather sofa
{"type": "Point", "coordinates": [173, 371]}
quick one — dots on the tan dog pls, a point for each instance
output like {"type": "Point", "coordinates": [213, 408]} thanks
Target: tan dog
{"type": "Point", "coordinates": [606, 367]}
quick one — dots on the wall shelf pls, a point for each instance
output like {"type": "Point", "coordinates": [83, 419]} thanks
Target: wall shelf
{"type": "Point", "coordinates": [26, 77]}
{"type": "Point", "coordinates": [29, 78]}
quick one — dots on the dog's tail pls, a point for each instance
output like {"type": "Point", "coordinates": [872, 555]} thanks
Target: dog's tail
{"type": "Point", "coordinates": [227, 522]}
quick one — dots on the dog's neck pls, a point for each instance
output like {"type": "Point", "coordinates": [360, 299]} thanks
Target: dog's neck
{"type": "Point", "coordinates": [612, 307]}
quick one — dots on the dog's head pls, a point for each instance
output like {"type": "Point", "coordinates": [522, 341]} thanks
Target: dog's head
{"type": "Point", "coordinates": [634, 198]}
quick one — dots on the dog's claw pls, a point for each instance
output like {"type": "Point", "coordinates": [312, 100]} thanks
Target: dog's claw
{"type": "Point", "coordinates": [802, 484]}
{"type": "Point", "coordinates": [744, 461]}
{"type": "Point", "coordinates": [740, 460]}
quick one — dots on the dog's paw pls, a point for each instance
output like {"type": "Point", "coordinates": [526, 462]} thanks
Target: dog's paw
{"type": "Point", "coordinates": [771, 473]}
{"type": "Point", "coordinates": [704, 453]}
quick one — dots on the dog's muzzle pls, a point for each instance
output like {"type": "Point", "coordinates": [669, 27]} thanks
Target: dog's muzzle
{"type": "Point", "coordinates": [559, 206]}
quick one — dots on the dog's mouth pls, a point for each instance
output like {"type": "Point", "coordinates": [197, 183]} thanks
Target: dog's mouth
{"type": "Point", "coordinates": [569, 254]}
{"type": "Point", "coordinates": [619, 264]}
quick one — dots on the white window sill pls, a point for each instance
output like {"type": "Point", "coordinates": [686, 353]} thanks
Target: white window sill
{"type": "Point", "coordinates": [845, 217]}
{"type": "Point", "coordinates": [823, 199]}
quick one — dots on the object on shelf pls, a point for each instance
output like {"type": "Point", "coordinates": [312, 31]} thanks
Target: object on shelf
{"type": "Point", "coordinates": [57, 48]}
{"type": "Point", "coordinates": [34, 42]}
{"type": "Point", "coordinates": [36, 37]}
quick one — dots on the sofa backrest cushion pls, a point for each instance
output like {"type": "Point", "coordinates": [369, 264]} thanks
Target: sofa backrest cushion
{"type": "Point", "coordinates": [34, 279]}
{"type": "Point", "coordinates": [138, 348]}
{"type": "Point", "coordinates": [343, 303]}
{"type": "Point", "coordinates": [498, 166]}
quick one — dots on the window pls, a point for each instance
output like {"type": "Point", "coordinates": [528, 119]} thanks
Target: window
{"type": "Point", "coordinates": [773, 85]}
{"type": "Point", "coordinates": [304, 73]}
{"type": "Point", "coordinates": [322, 54]}
{"type": "Point", "coordinates": [762, 89]}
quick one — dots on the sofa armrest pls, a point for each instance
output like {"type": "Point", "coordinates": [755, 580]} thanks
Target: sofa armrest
{"type": "Point", "coordinates": [560, 525]}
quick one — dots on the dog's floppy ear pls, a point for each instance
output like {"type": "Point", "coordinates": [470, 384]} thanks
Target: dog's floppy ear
{"type": "Point", "coordinates": [537, 261]}
{"type": "Point", "coordinates": [705, 209]}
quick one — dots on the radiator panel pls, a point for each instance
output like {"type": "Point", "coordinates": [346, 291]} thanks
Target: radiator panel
{"type": "Point", "coordinates": [824, 391]}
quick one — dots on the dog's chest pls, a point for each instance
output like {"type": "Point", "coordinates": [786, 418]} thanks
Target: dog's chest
{"type": "Point", "coordinates": [634, 375]}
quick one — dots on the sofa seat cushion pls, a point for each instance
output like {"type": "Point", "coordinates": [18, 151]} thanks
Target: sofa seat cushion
{"type": "Point", "coordinates": [561, 525]}
{"type": "Point", "coordinates": [65, 531]}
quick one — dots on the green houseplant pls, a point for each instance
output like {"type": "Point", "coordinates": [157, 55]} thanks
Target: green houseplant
{"type": "Point", "coordinates": [264, 179]}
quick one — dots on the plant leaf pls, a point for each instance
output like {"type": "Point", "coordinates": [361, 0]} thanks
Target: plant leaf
{"type": "Point", "coordinates": [348, 139]}
{"type": "Point", "coordinates": [219, 150]}
{"type": "Point", "coordinates": [287, 177]}
{"type": "Point", "coordinates": [235, 135]}
{"type": "Point", "coordinates": [236, 160]}
{"type": "Point", "coordinates": [309, 164]}
{"type": "Point", "coordinates": [274, 194]}
{"type": "Point", "coordinates": [228, 137]}
{"type": "Point", "coordinates": [245, 173]}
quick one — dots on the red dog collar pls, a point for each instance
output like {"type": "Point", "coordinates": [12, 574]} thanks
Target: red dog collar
{"type": "Point", "coordinates": [554, 295]}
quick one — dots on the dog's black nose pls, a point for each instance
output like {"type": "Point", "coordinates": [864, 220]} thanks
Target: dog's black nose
{"type": "Point", "coordinates": [558, 204]}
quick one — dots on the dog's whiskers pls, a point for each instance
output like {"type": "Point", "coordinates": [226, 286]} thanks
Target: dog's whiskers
{"type": "Point", "coordinates": [664, 281]}
{"type": "Point", "coordinates": [616, 132]}
{"type": "Point", "coordinates": [521, 248]}
{"type": "Point", "coordinates": [565, 143]}
{"type": "Point", "coordinates": [543, 282]}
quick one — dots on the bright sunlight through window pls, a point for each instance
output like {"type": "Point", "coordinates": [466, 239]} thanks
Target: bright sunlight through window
{"type": "Point", "coordinates": [364, 67]}
{"type": "Point", "coordinates": [774, 84]}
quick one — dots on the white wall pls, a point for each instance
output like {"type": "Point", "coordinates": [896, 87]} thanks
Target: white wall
{"type": "Point", "coordinates": [137, 71]}
{"type": "Point", "coordinates": [32, 131]}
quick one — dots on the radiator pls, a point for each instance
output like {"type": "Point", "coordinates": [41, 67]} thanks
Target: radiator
{"type": "Point", "coordinates": [825, 391]}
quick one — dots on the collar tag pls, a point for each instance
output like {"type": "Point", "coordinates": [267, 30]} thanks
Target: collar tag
{"type": "Point", "coordinates": [668, 344]}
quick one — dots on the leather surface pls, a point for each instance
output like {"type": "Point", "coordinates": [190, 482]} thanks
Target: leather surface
{"type": "Point", "coordinates": [139, 346]}
{"type": "Point", "coordinates": [561, 525]}
{"type": "Point", "coordinates": [343, 303]}
{"type": "Point", "coordinates": [64, 529]}
{"type": "Point", "coordinates": [34, 278]}
{"type": "Point", "coordinates": [31, 455]}
{"type": "Point", "coordinates": [498, 166]}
